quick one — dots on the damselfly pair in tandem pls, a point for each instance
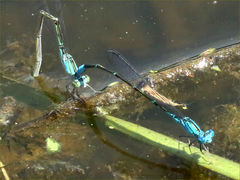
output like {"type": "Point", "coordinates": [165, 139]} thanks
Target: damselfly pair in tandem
{"type": "Point", "coordinates": [127, 74]}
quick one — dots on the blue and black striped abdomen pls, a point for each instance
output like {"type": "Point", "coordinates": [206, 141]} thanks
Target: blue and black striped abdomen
{"type": "Point", "coordinates": [190, 126]}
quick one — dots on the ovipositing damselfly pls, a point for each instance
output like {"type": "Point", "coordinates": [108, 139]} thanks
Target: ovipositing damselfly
{"type": "Point", "coordinates": [69, 63]}
{"type": "Point", "coordinates": [126, 72]}
{"type": "Point", "coordinates": [66, 59]}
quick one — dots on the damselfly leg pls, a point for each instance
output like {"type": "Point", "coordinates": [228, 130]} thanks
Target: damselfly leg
{"type": "Point", "coordinates": [95, 91]}
{"type": "Point", "coordinates": [203, 146]}
{"type": "Point", "coordinates": [190, 143]}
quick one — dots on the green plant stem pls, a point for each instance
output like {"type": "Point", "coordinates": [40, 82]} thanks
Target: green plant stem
{"type": "Point", "coordinates": [208, 160]}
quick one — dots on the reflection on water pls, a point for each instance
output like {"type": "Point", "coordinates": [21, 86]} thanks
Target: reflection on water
{"type": "Point", "coordinates": [151, 34]}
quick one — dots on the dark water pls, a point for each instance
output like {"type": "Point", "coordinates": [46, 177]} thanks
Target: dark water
{"type": "Point", "coordinates": [150, 34]}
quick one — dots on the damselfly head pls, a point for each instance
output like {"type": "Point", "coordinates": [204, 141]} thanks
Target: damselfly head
{"type": "Point", "coordinates": [86, 78]}
{"type": "Point", "coordinates": [206, 137]}
{"type": "Point", "coordinates": [82, 81]}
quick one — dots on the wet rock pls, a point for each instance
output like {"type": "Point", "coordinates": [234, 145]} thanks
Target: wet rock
{"type": "Point", "coordinates": [9, 112]}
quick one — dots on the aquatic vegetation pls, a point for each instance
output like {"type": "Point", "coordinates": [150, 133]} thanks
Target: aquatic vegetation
{"type": "Point", "coordinates": [52, 145]}
{"type": "Point", "coordinates": [215, 68]}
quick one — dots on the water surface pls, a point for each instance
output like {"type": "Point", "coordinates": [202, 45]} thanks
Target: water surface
{"type": "Point", "coordinates": [151, 35]}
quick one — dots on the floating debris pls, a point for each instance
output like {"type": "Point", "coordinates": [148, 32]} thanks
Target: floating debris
{"type": "Point", "coordinates": [153, 71]}
{"type": "Point", "coordinates": [113, 83]}
{"type": "Point", "coordinates": [170, 75]}
{"type": "Point", "coordinates": [208, 51]}
{"type": "Point", "coordinates": [216, 68]}
{"type": "Point", "coordinates": [110, 127]}
{"type": "Point", "coordinates": [189, 73]}
{"type": "Point", "coordinates": [52, 145]}
{"type": "Point", "coordinates": [151, 81]}
{"type": "Point", "coordinates": [202, 64]}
